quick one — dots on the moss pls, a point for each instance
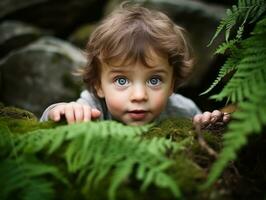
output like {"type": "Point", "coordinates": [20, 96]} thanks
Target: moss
{"type": "Point", "coordinates": [189, 167]}
{"type": "Point", "coordinates": [21, 121]}
{"type": "Point", "coordinates": [214, 140]}
{"type": "Point", "coordinates": [175, 129]}
{"type": "Point", "coordinates": [20, 126]}
{"type": "Point", "coordinates": [15, 113]}
{"type": "Point", "coordinates": [192, 162]}
{"type": "Point", "coordinates": [188, 173]}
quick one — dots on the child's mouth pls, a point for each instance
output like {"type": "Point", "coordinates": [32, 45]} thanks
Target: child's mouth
{"type": "Point", "coordinates": [137, 114]}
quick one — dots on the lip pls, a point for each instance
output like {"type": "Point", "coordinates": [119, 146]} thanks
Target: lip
{"type": "Point", "coordinates": [137, 114]}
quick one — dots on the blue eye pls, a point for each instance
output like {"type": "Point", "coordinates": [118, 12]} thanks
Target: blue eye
{"type": "Point", "coordinates": [154, 81]}
{"type": "Point", "coordinates": [121, 81]}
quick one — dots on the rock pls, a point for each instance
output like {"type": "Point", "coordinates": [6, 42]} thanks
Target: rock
{"type": "Point", "coordinates": [11, 6]}
{"type": "Point", "coordinates": [55, 15]}
{"type": "Point", "coordinates": [80, 36]}
{"type": "Point", "coordinates": [15, 113]}
{"type": "Point", "coordinates": [40, 74]}
{"type": "Point", "coordinates": [15, 121]}
{"type": "Point", "coordinates": [15, 34]}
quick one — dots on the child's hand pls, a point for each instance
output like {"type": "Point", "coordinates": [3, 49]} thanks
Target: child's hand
{"type": "Point", "coordinates": [209, 118]}
{"type": "Point", "coordinates": [73, 112]}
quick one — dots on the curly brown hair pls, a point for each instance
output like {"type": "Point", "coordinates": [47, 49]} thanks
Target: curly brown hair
{"type": "Point", "coordinates": [126, 35]}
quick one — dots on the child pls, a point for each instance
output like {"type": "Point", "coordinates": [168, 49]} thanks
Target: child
{"type": "Point", "coordinates": [136, 59]}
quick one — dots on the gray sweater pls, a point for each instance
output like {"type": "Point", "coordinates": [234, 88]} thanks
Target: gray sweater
{"type": "Point", "coordinates": [177, 106]}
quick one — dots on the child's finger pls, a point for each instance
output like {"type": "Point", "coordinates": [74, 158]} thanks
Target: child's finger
{"type": "Point", "coordinates": [216, 116]}
{"type": "Point", "coordinates": [95, 113]}
{"type": "Point", "coordinates": [55, 114]}
{"type": "Point", "coordinates": [78, 112]}
{"type": "Point", "coordinates": [69, 113]}
{"type": "Point", "coordinates": [206, 118]}
{"type": "Point", "coordinates": [197, 119]}
{"type": "Point", "coordinates": [86, 113]}
{"type": "Point", "coordinates": [226, 117]}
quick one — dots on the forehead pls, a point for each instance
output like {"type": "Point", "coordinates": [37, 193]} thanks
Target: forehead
{"type": "Point", "coordinates": [151, 59]}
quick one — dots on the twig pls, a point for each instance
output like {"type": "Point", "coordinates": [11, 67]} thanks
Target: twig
{"type": "Point", "coordinates": [204, 144]}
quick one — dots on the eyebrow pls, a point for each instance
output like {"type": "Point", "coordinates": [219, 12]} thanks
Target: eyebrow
{"type": "Point", "coordinates": [123, 70]}
{"type": "Point", "coordinates": [116, 70]}
{"type": "Point", "coordinates": [160, 71]}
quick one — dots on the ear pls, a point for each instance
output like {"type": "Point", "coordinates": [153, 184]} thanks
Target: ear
{"type": "Point", "coordinates": [99, 91]}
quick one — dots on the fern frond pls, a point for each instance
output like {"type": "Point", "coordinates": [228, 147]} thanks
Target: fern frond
{"type": "Point", "coordinates": [251, 70]}
{"type": "Point", "coordinates": [96, 150]}
{"type": "Point", "coordinates": [243, 84]}
{"type": "Point", "coordinates": [248, 120]}
{"type": "Point", "coordinates": [245, 12]}
{"type": "Point", "coordinates": [228, 21]}
{"type": "Point", "coordinates": [247, 88]}
{"type": "Point", "coordinates": [6, 143]}
{"type": "Point", "coordinates": [226, 45]}
{"type": "Point", "coordinates": [121, 156]}
{"type": "Point", "coordinates": [23, 176]}
{"type": "Point", "coordinates": [257, 9]}
{"type": "Point", "coordinates": [231, 20]}
{"type": "Point", "coordinates": [228, 67]}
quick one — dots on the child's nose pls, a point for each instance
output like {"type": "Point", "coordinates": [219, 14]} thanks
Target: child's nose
{"type": "Point", "coordinates": [139, 93]}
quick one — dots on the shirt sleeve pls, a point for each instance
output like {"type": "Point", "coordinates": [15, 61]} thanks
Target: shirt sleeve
{"type": "Point", "coordinates": [90, 99]}
{"type": "Point", "coordinates": [45, 115]}
{"type": "Point", "coordinates": [180, 106]}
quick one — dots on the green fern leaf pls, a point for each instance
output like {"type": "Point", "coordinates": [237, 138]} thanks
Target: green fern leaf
{"type": "Point", "coordinates": [24, 177]}
{"type": "Point", "coordinates": [227, 68]}
{"type": "Point", "coordinates": [6, 143]}
{"type": "Point", "coordinates": [246, 12]}
{"type": "Point", "coordinates": [226, 45]}
{"type": "Point", "coordinates": [247, 85]}
{"type": "Point", "coordinates": [248, 120]}
{"type": "Point", "coordinates": [96, 150]}
{"type": "Point", "coordinates": [251, 68]}
{"type": "Point", "coordinates": [217, 32]}
{"type": "Point", "coordinates": [119, 176]}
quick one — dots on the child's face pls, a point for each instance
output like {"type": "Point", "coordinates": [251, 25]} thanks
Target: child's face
{"type": "Point", "coordinates": [136, 94]}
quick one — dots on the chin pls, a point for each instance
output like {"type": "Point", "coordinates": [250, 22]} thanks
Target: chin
{"type": "Point", "coordinates": [137, 123]}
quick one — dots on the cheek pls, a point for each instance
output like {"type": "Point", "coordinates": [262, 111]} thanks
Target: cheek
{"type": "Point", "coordinates": [159, 101]}
{"type": "Point", "coordinates": [115, 102]}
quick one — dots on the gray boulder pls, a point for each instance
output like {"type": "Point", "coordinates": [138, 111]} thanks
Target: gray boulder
{"type": "Point", "coordinates": [11, 6]}
{"type": "Point", "coordinates": [15, 34]}
{"type": "Point", "coordinates": [56, 15]}
{"type": "Point", "coordinates": [40, 74]}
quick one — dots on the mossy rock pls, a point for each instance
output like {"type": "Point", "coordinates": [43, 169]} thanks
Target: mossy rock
{"type": "Point", "coordinates": [21, 121]}
{"type": "Point", "coordinates": [15, 113]}
{"type": "Point", "coordinates": [189, 168]}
